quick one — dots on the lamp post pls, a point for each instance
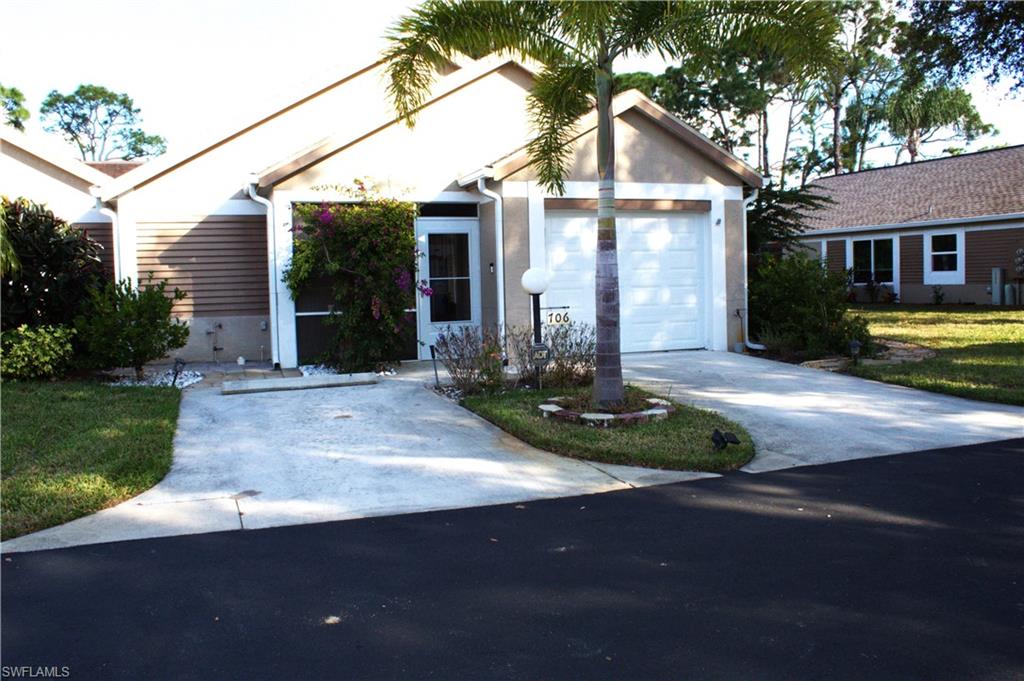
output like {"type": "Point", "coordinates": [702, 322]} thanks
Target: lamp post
{"type": "Point", "coordinates": [535, 282]}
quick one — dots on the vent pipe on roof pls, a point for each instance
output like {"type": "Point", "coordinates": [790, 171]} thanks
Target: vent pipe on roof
{"type": "Point", "coordinates": [746, 287]}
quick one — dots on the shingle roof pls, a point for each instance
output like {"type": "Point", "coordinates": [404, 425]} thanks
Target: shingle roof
{"type": "Point", "coordinates": [983, 183]}
{"type": "Point", "coordinates": [114, 168]}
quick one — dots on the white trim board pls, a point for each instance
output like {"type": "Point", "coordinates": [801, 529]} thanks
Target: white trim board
{"type": "Point", "coordinates": [956, 277]}
{"type": "Point", "coordinates": [630, 190]}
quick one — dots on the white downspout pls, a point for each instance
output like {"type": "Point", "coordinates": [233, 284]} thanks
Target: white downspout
{"type": "Point", "coordinates": [275, 332]}
{"type": "Point", "coordinates": [115, 233]}
{"type": "Point", "coordinates": [746, 288]}
{"type": "Point", "coordinates": [499, 248]}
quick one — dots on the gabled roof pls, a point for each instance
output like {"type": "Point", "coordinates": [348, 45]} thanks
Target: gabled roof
{"type": "Point", "coordinates": [52, 154]}
{"type": "Point", "coordinates": [469, 72]}
{"type": "Point", "coordinates": [984, 183]}
{"type": "Point", "coordinates": [168, 162]}
{"type": "Point", "coordinates": [115, 168]}
{"type": "Point", "coordinates": [634, 100]}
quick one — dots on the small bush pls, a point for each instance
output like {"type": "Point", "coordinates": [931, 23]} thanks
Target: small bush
{"type": "Point", "coordinates": [798, 308]}
{"type": "Point", "coordinates": [36, 352]}
{"type": "Point", "coordinates": [573, 354]}
{"type": "Point", "coordinates": [473, 358]}
{"type": "Point", "coordinates": [128, 327]}
{"type": "Point", "coordinates": [938, 295]}
{"type": "Point", "coordinates": [57, 266]}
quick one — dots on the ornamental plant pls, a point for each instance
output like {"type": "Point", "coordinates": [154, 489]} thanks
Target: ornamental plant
{"type": "Point", "coordinates": [57, 266]}
{"type": "Point", "coordinates": [125, 326]}
{"type": "Point", "coordinates": [366, 249]}
{"type": "Point", "coordinates": [35, 352]}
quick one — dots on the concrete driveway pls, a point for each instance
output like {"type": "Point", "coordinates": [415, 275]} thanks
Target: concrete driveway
{"type": "Point", "coordinates": [799, 416]}
{"type": "Point", "coordinates": [286, 458]}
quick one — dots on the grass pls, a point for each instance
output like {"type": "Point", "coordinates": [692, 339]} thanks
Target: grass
{"type": "Point", "coordinates": [980, 349]}
{"type": "Point", "coordinates": [73, 448]}
{"type": "Point", "coordinates": [681, 442]}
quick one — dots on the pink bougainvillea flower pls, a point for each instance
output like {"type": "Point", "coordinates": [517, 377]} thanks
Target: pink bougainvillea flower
{"type": "Point", "coordinates": [326, 217]}
{"type": "Point", "coordinates": [375, 307]}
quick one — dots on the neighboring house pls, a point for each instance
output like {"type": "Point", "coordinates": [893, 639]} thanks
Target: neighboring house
{"type": "Point", "coordinates": [46, 173]}
{"type": "Point", "coordinates": [217, 221]}
{"type": "Point", "coordinates": [945, 222]}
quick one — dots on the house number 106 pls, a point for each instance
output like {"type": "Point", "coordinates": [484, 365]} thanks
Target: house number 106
{"type": "Point", "coordinates": [557, 318]}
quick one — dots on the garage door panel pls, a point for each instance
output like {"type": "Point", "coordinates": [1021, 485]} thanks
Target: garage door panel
{"type": "Point", "coordinates": [660, 275]}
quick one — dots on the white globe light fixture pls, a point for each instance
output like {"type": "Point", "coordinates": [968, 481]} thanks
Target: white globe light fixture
{"type": "Point", "coordinates": [535, 281]}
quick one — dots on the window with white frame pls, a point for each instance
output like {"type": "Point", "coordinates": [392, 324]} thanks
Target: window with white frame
{"type": "Point", "coordinates": [873, 261]}
{"type": "Point", "coordinates": [944, 258]}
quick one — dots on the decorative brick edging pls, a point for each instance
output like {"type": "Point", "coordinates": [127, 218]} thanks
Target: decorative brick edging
{"type": "Point", "coordinates": [660, 410]}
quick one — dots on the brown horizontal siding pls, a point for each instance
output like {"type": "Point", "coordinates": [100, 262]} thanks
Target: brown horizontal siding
{"type": "Point", "coordinates": [991, 248]}
{"type": "Point", "coordinates": [837, 256]}
{"type": "Point", "coordinates": [630, 204]}
{"type": "Point", "coordinates": [911, 259]}
{"type": "Point", "coordinates": [102, 233]}
{"type": "Point", "coordinates": [220, 262]}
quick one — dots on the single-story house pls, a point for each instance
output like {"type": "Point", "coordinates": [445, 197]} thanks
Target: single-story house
{"type": "Point", "coordinates": [216, 221]}
{"type": "Point", "coordinates": [43, 172]}
{"type": "Point", "coordinates": [944, 222]}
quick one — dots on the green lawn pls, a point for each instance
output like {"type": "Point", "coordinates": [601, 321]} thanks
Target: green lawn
{"type": "Point", "coordinates": [682, 441]}
{"type": "Point", "coordinates": [70, 449]}
{"type": "Point", "coordinates": [981, 349]}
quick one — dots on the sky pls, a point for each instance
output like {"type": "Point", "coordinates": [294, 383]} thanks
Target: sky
{"type": "Point", "coordinates": [195, 67]}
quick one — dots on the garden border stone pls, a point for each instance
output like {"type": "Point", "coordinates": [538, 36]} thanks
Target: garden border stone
{"type": "Point", "coordinates": [660, 409]}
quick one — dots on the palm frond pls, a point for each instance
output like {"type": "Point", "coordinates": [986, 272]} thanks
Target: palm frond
{"type": "Point", "coordinates": [561, 94]}
{"type": "Point", "coordinates": [425, 41]}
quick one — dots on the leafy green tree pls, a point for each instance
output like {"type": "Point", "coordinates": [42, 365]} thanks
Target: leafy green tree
{"type": "Point", "coordinates": [103, 124]}
{"type": "Point", "coordinates": [58, 266]}
{"type": "Point", "coordinates": [779, 217]}
{"type": "Point", "coordinates": [919, 113]}
{"type": "Point", "coordinates": [12, 101]}
{"type": "Point", "coordinates": [955, 38]}
{"type": "Point", "coordinates": [577, 44]}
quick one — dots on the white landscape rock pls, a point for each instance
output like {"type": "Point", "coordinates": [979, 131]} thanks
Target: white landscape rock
{"type": "Point", "coordinates": [164, 378]}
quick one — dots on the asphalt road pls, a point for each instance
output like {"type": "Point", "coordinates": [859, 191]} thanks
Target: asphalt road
{"type": "Point", "coordinates": [901, 567]}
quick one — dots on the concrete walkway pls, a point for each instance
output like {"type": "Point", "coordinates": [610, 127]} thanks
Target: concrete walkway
{"type": "Point", "coordinates": [285, 458]}
{"type": "Point", "coordinates": [799, 416]}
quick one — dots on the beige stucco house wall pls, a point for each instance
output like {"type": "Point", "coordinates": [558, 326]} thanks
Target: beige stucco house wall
{"type": "Point", "coordinates": [216, 221]}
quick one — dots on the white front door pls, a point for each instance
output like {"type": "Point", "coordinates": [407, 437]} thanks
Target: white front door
{"type": "Point", "coordinates": [450, 267]}
{"type": "Point", "coordinates": [662, 283]}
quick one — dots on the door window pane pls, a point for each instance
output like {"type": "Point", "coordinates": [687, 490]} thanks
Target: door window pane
{"type": "Point", "coordinates": [883, 260]}
{"type": "Point", "coordinates": [861, 262]}
{"type": "Point", "coordinates": [449, 255]}
{"type": "Point", "coordinates": [450, 300]}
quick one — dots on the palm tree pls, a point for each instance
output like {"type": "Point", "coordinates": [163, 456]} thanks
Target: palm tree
{"type": "Point", "coordinates": [577, 44]}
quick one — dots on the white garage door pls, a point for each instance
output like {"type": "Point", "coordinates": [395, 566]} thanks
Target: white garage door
{"type": "Point", "coordinates": [661, 275]}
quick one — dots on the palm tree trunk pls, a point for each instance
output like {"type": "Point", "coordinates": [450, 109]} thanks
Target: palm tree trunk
{"type": "Point", "coordinates": [608, 389]}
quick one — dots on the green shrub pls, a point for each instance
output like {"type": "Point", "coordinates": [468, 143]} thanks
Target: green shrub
{"type": "Point", "coordinates": [798, 308]}
{"type": "Point", "coordinates": [57, 267]}
{"type": "Point", "coordinates": [35, 352]}
{"type": "Point", "coordinates": [126, 327]}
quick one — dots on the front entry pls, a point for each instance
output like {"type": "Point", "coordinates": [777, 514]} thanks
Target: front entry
{"type": "Point", "coordinates": [449, 266]}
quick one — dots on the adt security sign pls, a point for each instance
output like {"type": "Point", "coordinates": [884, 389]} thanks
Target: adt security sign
{"type": "Point", "coordinates": [540, 354]}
